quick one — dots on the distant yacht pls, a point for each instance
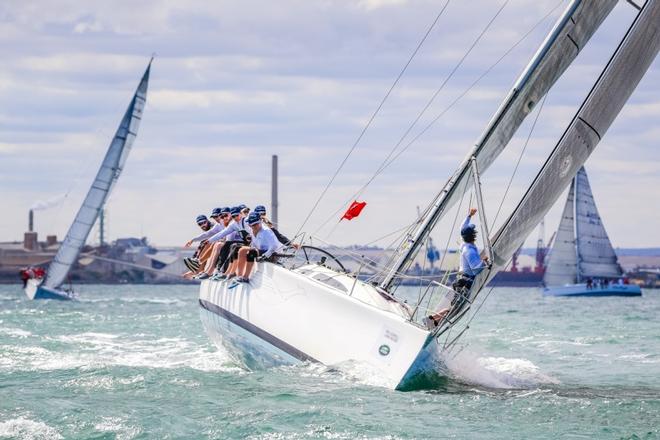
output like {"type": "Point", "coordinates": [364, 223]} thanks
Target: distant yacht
{"type": "Point", "coordinates": [49, 287]}
{"type": "Point", "coordinates": [582, 261]}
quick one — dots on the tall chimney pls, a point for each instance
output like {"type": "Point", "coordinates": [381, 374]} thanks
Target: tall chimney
{"type": "Point", "coordinates": [273, 188]}
{"type": "Point", "coordinates": [31, 221]}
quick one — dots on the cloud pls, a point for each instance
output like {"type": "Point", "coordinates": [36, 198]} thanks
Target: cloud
{"type": "Point", "coordinates": [235, 82]}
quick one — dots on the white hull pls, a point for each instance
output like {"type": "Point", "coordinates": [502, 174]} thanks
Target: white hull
{"type": "Point", "coordinates": [583, 290]}
{"type": "Point", "coordinates": [286, 316]}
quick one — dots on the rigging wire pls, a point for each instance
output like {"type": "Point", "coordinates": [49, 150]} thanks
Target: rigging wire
{"type": "Point", "coordinates": [442, 86]}
{"type": "Point", "coordinates": [373, 116]}
{"type": "Point", "coordinates": [387, 163]}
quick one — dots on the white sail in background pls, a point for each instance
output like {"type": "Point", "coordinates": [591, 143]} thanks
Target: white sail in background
{"type": "Point", "coordinates": [107, 176]}
{"type": "Point", "coordinates": [596, 256]}
{"type": "Point", "coordinates": [562, 263]}
{"type": "Point", "coordinates": [606, 99]}
{"type": "Point", "coordinates": [562, 45]}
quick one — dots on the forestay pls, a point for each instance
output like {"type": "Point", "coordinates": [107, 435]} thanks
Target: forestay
{"type": "Point", "coordinates": [596, 256]}
{"type": "Point", "coordinates": [608, 96]}
{"type": "Point", "coordinates": [107, 176]}
{"type": "Point", "coordinates": [562, 263]}
{"type": "Point", "coordinates": [569, 35]}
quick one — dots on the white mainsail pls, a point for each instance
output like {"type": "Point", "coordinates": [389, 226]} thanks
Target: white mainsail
{"type": "Point", "coordinates": [606, 99]}
{"type": "Point", "coordinates": [562, 45]}
{"type": "Point", "coordinates": [596, 256]}
{"type": "Point", "coordinates": [562, 263]}
{"type": "Point", "coordinates": [107, 176]}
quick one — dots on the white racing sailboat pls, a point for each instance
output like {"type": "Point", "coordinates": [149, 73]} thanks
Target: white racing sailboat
{"type": "Point", "coordinates": [106, 177]}
{"type": "Point", "coordinates": [311, 312]}
{"type": "Point", "coordinates": [582, 261]}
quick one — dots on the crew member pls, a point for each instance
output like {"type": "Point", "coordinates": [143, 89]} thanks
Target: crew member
{"type": "Point", "coordinates": [471, 265]}
{"type": "Point", "coordinates": [236, 235]}
{"type": "Point", "coordinates": [263, 247]}
{"type": "Point", "coordinates": [261, 210]}
{"type": "Point", "coordinates": [203, 251]}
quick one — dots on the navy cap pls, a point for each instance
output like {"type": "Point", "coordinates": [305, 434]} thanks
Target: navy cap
{"type": "Point", "coordinates": [235, 210]}
{"type": "Point", "coordinates": [216, 212]}
{"type": "Point", "coordinates": [225, 210]}
{"type": "Point", "coordinates": [253, 218]}
{"type": "Point", "coordinates": [201, 219]}
{"type": "Point", "coordinates": [260, 209]}
{"type": "Point", "coordinates": [469, 230]}
{"type": "Point", "coordinates": [242, 206]}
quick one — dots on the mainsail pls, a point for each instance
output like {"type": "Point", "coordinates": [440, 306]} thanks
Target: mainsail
{"type": "Point", "coordinates": [596, 256]}
{"type": "Point", "coordinates": [604, 102]}
{"type": "Point", "coordinates": [569, 35]}
{"type": "Point", "coordinates": [562, 263]}
{"type": "Point", "coordinates": [107, 176]}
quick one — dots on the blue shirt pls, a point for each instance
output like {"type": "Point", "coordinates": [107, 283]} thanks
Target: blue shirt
{"type": "Point", "coordinates": [471, 262]}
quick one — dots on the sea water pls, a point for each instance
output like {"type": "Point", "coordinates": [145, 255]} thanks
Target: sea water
{"type": "Point", "coordinates": [131, 361]}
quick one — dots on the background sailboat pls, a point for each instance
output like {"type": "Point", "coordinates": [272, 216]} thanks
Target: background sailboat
{"type": "Point", "coordinates": [582, 261]}
{"type": "Point", "coordinates": [106, 177]}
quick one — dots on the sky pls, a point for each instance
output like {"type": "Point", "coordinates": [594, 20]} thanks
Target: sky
{"type": "Point", "coordinates": [233, 83]}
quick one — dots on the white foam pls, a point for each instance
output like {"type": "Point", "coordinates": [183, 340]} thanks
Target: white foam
{"type": "Point", "coordinates": [16, 332]}
{"type": "Point", "coordinates": [97, 350]}
{"type": "Point", "coordinates": [117, 426]}
{"type": "Point", "coordinates": [27, 429]}
{"type": "Point", "coordinates": [495, 372]}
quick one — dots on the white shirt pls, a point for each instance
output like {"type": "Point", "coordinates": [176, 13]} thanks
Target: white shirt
{"type": "Point", "coordinates": [233, 228]}
{"type": "Point", "coordinates": [206, 234]}
{"type": "Point", "coordinates": [266, 242]}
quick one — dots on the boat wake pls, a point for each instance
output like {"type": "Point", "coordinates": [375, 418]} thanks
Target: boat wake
{"type": "Point", "coordinates": [495, 372]}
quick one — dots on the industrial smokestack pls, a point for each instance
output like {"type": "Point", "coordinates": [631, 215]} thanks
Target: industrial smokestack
{"type": "Point", "coordinates": [31, 221]}
{"type": "Point", "coordinates": [273, 194]}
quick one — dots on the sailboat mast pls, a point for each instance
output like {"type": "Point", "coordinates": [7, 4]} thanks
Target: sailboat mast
{"type": "Point", "coordinates": [571, 32]}
{"type": "Point", "coordinates": [576, 190]}
{"type": "Point", "coordinates": [616, 83]}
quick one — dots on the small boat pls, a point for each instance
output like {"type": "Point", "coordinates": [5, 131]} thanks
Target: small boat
{"type": "Point", "coordinates": [582, 261]}
{"type": "Point", "coordinates": [315, 311]}
{"type": "Point", "coordinates": [51, 286]}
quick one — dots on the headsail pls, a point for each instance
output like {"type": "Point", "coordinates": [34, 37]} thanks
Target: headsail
{"type": "Point", "coordinates": [562, 263]}
{"type": "Point", "coordinates": [606, 99]}
{"type": "Point", "coordinates": [596, 256]}
{"type": "Point", "coordinates": [107, 176]}
{"type": "Point", "coordinates": [569, 35]}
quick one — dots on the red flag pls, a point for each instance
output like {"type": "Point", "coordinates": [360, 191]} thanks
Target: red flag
{"type": "Point", "coordinates": [354, 210]}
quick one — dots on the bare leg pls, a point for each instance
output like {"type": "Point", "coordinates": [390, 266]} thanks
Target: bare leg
{"type": "Point", "coordinates": [242, 260]}
{"type": "Point", "coordinates": [213, 259]}
{"type": "Point", "coordinates": [232, 268]}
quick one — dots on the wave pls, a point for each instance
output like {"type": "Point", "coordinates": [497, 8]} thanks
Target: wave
{"type": "Point", "coordinates": [15, 332]}
{"type": "Point", "coordinates": [91, 350]}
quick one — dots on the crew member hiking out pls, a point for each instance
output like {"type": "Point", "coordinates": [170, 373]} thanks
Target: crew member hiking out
{"type": "Point", "coordinates": [203, 251]}
{"type": "Point", "coordinates": [263, 247]}
{"type": "Point", "coordinates": [471, 265]}
{"type": "Point", "coordinates": [261, 210]}
{"type": "Point", "coordinates": [236, 235]}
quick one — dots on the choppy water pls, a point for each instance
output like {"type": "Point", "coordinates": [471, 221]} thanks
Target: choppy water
{"type": "Point", "coordinates": [133, 362]}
